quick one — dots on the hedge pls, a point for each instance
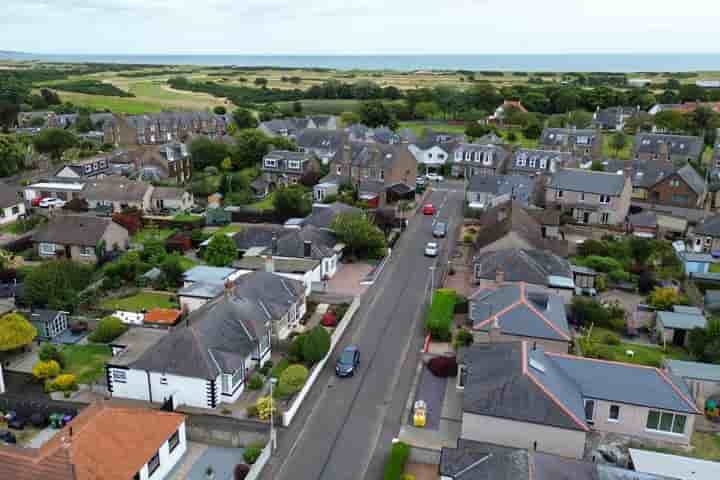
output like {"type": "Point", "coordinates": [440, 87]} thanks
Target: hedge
{"type": "Point", "coordinates": [439, 319]}
{"type": "Point", "coordinates": [395, 465]}
{"type": "Point", "coordinates": [108, 330]}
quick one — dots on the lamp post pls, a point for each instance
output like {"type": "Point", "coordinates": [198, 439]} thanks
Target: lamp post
{"type": "Point", "coordinates": [273, 438]}
{"type": "Point", "coordinates": [432, 282]}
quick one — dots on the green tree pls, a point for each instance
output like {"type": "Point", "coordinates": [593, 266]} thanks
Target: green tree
{"type": "Point", "coordinates": [219, 110]}
{"type": "Point", "coordinates": [597, 166]}
{"type": "Point", "coordinates": [359, 235]}
{"type": "Point", "coordinates": [56, 284]}
{"type": "Point", "coordinates": [671, 121]}
{"type": "Point", "coordinates": [291, 380]}
{"type": "Point", "coordinates": [221, 251]}
{"type": "Point", "coordinates": [476, 130]}
{"type": "Point", "coordinates": [261, 82]}
{"type": "Point", "coordinates": [244, 118]}
{"type": "Point", "coordinates": [108, 330]}
{"type": "Point", "coordinates": [15, 332]}
{"type": "Point", "coordinates": [172, 269]}
{"type": "Point", "coordinates": [618, 141]}
{"type": "Point", "coordinates": [579, 118]}
{"type": "Point", "coordinates": [427, 110]}
{"type": "Point", "coordinates": [316, 345]}
{"type": "Point", "coordinates": [664, 298]}
{"type": "Point", "coordinates": [532, 131]}
{"type": "Point", "coordinates": [374, 114]}
{"type": "Point", "coordinates": [11, 155]}
{"type": "Point", "coordinates": [207, 153]}
{"type": "Point", "coordinates": [297, 108]}
{"type": "Point", "coordinates": [83, 124]}
{"type": "Point", "coordinates": [250, 148]}
{"type": "Point", "coordinates": [13, 93]}
{"type": "Point", "coordinates": [291, 201]}
{"type": "Point", "coordinates": [54, 142]}
{"type": "Point", "coordinates": [349, 118]}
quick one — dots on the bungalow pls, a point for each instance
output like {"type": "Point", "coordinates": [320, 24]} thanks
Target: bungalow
{"type": "Point", "coordinates": [12, 207]}
{"type": "Point", "coordinates": [673, 327]}
{"type": "Point", "coordinates": [703, 379]}
{"type": "Point", "coordinates": [511, 312]}
{"type": "Point", "coordinates": [433, 152]}
{"type": "Point", "coordinates": [305, 270]}
{"type": "Point", "coordinates": [54, 188]}
{"type": "Point", "coordinates": [492, 190]}
{"type": "Point", "coordinates": [323, 215]}
{"type": "Point", "coordinates": [118, 194]}
{"type": "Point", "coordinates": [49, 323]}
{"type": "Point", "coordinates": [208, 274]}
{"type": "Point", "coordinates": [282, 167]}
{"type": "Point", "coordinates": [171, 198]}
{"type": "Point", "coordinates": [309, 242]}
{"type": "Point", "coordinates": [79, 237]}
{"type": "Point", "coordinates": [291, 127]}
{"type": "Point", "coordinates": [643, 224]}
{"type": "Point", "coordinates": [582, 143]}
{"type": "Point", "coordinates": [668, 148]}
{"type": "Point", "coordinates": [518, 396]}
{"type": "Point", "coordinates": [80, 450]}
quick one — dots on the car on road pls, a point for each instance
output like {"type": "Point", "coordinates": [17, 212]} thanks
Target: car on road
{"type": "Point", "coordinates": [348, 361]}
{"type": "Point", "coordinates": [52, 203]}
{"type": "Point", "coordinates": [440, 230]}
{"type": "Point", "coordinates": [428, 209]}
{"type": "Point", "coordinates": [431, 249]}
{"type": "Point", "coordinates": [434, 177]}
{"type": "Point", "coordinates": [420, 181]}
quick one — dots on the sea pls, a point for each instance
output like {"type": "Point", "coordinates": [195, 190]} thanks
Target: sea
{"type": "Point", "coordinates": [575, 62]}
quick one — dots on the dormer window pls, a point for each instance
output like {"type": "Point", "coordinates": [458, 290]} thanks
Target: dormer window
{"type": "Point", "coordinates": [271, 163]}
{"type": "Point", "coordinates": [543, 163]}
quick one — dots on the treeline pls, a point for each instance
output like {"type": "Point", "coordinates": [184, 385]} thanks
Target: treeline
{"type": "Point", "coordinates": [239, 95]}
{"type": "Point", "coordinates": [92, 87]}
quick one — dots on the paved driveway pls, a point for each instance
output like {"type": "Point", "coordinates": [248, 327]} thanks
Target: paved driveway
{"type": "Point", "coordinates": [346, 280]}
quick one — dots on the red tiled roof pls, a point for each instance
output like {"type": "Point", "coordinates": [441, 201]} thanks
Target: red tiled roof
{"type": "Point", "coordinates": [163, 316]}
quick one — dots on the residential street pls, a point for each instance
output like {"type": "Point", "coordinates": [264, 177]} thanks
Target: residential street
{"type": "Point", "coordinates": [344, 429]}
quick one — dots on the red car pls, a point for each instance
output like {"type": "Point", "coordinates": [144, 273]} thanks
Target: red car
{"type": "Point", "coordinates": [36, 201]}
{"type": "Point", "coordinates": [428, 209]}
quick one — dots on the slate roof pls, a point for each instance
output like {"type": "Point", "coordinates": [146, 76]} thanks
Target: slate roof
{"type": "Point", "coordinates": [256, 236]}
{"type": "Point", "coordinates": [643, 220]}
{"type": "Point", "coordinates": [712, 299]}
{"type": "Point", "coordinates": [566, 136]}
{"type": "Point", "coordinates": [298, 266]}
{"type": "Point", "coordinates": [588, 181]}
{"type": "Point", "coordinates": [523, 158]}
{"type": "Point", "coordinates": [364, 154]}
{"type": "Point", "coordinates": [677, 144]}
{"type": "Point", "coordinates": [208, 274]}
{"type": "Point", "coordinates": [115, 190]}
{"type": "Point", "coordinates": [322, 215]}
{"type": "Point", "coordinates": [202, 290]}
{"type": "Point", "coordinates": [695, 370]}
{"type": "Point", "coordinates": [643, 173]}
{"type": "Point", "coordinates": [520, 187]}
{"type": "Point", "coordinates": [43, 316]}
{"type": "Point", "coordinates": [473, 153]}
{"type": "Point", "coordinates": [518, 265]}
{"type": "Point", "coordinates": [520, 309]}
{"type": "Point", "coordinates": [73, 230]}
{"type": "Point", "coordinates": [9, 196]}
{"type": "Point", "coordinates": [321, 139]}
{"type": "Point", "coordinates": [291, 244]}
{"type": "Point", "coordinates": [282, 159]}
{"type": "Point", "coordinates": [609, 118]}
{"type": "Point", "coordinates": [682, 320]}
{"type": "Point", "coordinates": [710, 226]}
{"type": "Point", "coordinates": [168, 193]}
{"type": "Point", "coordinates": [692, 179]}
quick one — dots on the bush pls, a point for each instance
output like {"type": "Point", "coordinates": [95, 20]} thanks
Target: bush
{"type": "Point", "coordinates": [587, 311]}
{"type": "Point", "coordinates": [255, 382]}
{"type": "Point", "coordinates": [252, 453]}
{"type": "Point", "coordinates": [467, 238]}
{"type": "Point", "coordinates": [395, 465]}
{"type": "Point", "coordinates": [611, 339]}
{"type": "Point", "coordinates": [463, 338]}
{"type": "Point", "coordinates": [329, 319]}
{"type": "Point", "coordinates": [664, 298]}
{"type": "Point", "coordinates": [264, 405]}
{"type": "Point", "coordinates": [241, 470]}
{"type": "Point", "coordinates": [44, 370]}
{"type": "Point", "coordinates": [408, 476]}
{"type": "Point", "coordinates": [48, 352]}
{"type": "Point", "coordinates": [439, 318]}
{"type": "Point", "coordinates": [251, 411]}
{"type": "Point", "coordinates": [278, 369]}
{"type": "Point", "coordinates": [265, 369]}
{"type": "Point", "coordinates": [316, 345]}
{"type": "Point", "coordinates": [443, 367]}
{"type": "Point", "coordinates": [108, 330]}
{"type": "Point", "coordinates": [63, 383]}
{"type": "Point", "coordinates": [292, 380]}
{"type": "Point", "coordinates": [602, 264]}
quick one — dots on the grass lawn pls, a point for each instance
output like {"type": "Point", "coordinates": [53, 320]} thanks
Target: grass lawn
{"type": "Point", "coordinates": [626, 153]}
{"type": "Point", "coordinates": [264, 204]}
{"type": "Point", "coordinates": [714, 268]}
{"type": "Point", "coordinates": [139, 302]}
{"type": "Point", "coordinates": [643, 354]}
{"type": "Point", "coordinates": [419, 127]}
{"type": "Point", "coordinates": [519, 138]}
{"type": "Point", "coordinates": [146, 233]}
{"type": "Point", "coordinates": [86, 362]}
{"type": "Point", "coordinates": [230, 228]}
{"type": "Point", "coordinates": [187, 217]}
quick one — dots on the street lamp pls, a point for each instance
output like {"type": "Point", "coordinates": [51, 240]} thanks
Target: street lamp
{"type": "Point", "coordinates": [432, 282]}
{"type": "Point", "coordinates": [273, 437]}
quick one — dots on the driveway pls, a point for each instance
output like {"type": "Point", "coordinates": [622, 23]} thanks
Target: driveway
{"type": "Point", "coordinates": [346, 280]}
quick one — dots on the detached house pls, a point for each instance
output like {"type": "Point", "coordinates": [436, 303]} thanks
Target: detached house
{"type": "Point", "coordinates": [324, 144]}
{"type": "Point", "coordinates": [519, 396]}
{"type": "Point", "coordinates": [471, 159]}
{"type": "Point", "coordinates": [171, 161]}
{"type": "Point", "coordinates": [668, 148]}
{"type": "Point", "coordinates": [589, 196]}
{"type": "Point", "coordinates": [434, 149]}
{"type": "Point", "coordinates": [538, 162]}
{"type": "Point", "coordinates": [683, 188]}
{"type": "Point", "coordinates": [374, 162]}
{"type": "Point", "coordinates": [78, 237]}
{"type": "Point", "coordinates": [282, 167]}
{"type": "Point", "coordinates": [489, 191]}
{"type": "Point", "coordinates": [613, 118]}
{"type": "Point", "coordinates": [12, 206]}
{"type": "Point", "coordinates": [118, 194]}
{"type": "Point", "coordinates": [171, 198]}
{"type": "Point", "coordinates": [582, 143]}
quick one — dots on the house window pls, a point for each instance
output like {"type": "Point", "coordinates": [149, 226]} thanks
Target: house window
{"type": "Point", "coordinates": [543, 163]}
{"type": "Point", "coordinates": [666, 422]}
{"type": "Point", "coordinates": [604, 218]}
{"type": "Point", "coordinates": [226, 383]}
{"type": "Point", "coordinates": [559, 194]}
{"type": "Point", "coordinates": [86, 251]}
{"type": "Point", "coordinates": [614, 413]}
{"type": "Point", "coordinates": [153, 464]}
{"type": "Point", "coordinates": [270, 163]}
{"type": "Point", "coordinates": [674, 182]}
{"type": "Point", "coordinates": [605, 199]}
{"type": "Point", "coordinates": [47, 249]}
{"type": "Point", "coordinates": [294, 165]}
{"type": "Point", "coordinates": [532, 163]}
{"type": "Point", "coordinates": [462, 375]}
{"type": "Point", "coordinates": [582, 196]}
{"type": "Point", "coordinates": [119, 376]}
{"type": "Point", "coordinates": [15, 210]}
{"type": "Point", "coordinates": [237, 377]}
{"type": "Point", "coordinates": [174, 441]}
{"type": "Point", "coordinates": [521, 162]}
{"type": "Point", "coordinates": [676, 198]}
{"type": "Point", "coordinates": [589, 411]}
{"type": "Point", "coordinates": [163, 380]}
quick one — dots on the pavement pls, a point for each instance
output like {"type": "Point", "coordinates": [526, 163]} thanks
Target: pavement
{"type": "Point", "coordinates": [345, 427]}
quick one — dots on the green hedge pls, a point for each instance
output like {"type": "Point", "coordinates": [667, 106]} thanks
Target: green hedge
{"type": "Point", "coordinates": [439, 318]}
{"type": "Point", "coordinates": [395, 465]}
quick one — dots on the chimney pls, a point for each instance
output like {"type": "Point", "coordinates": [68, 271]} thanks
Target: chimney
{"type": "Point", "coordinates": [499, 276]}
{"type": "Point", "coordinates": [307, 250]}
{"type": "Point", "coordinates": [269, 264]}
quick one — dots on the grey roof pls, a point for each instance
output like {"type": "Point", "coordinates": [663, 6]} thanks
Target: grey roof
{"type": "Point", "coordinates": [321, 139]}
{"type": "Point", "coordinates": [643, 219]}
{"type": "Point", "coordinates": [256, 236]}
{"type": "Point", "coordinates": [695, 370]}
{"type": "Point", "coordinates": [286, 126]}
{"type": "Point", "coordinates": [609, 118]}
{"type": "Point", "coordinates": [710, 226]}
{"type": "Point", "coordinates": [676, 144]}
{"type": "Point", "coordinates": [712, 299]}
{"type": "Point", "coordinates": [273, 293]}
{"type": "Point", "coordinates": [518, 265]}
{"type": "Point", "coordinates": [520, 187]}
{"type": "Point", "coordinates": [43, 316]}
{"type": "Point", "coordinates": [322, 216]}
{"type": "Point", "coordinates": [643, 173]}
{"type": "Point", "coordinates": [298, 266]}
{"type": "Point", "coordinates": [530, 160]}
{"type": "Point", "coordinates": [682, 320]}
{"type": "Point", "coordinates": [9, 196]}
{"type": "Point", "coordinates": [371, 186]}
{"type": "Point", "coordinates": [588, 181]}
{"type": "Point", "coordinates": [168, 193]}
{"type": "Point", "coordinates": [208, 274]}
{"type": "Point", "coordinates": [292, 243]}
{"type": "Point", "coordinates": [202, 290]}
{"type": "Point", "coordinates": [73, 230]}
{"type": "Point", "coordinates": [365, 154]}
{"type": "Point", "coordinates": [282, 159]}
{"type": "Point", "coordinates": [568, 136]}
{"type": "Point", "coordinates": [174, 119]}
{"type": "Point", "coordinates": [480, 154]}
{"type": "Point", "coordinates": [115, 190]}
{"type": "Point", "coordinates": [692, 178]}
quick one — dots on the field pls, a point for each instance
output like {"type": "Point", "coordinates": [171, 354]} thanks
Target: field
{"type": "Point", "coordinates": [419, 127]}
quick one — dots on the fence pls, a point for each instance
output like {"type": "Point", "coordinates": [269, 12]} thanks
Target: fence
{"type": "Point", "coordinates": [26, 408]}
{"type": "Point", "coordinates": [289, 414]}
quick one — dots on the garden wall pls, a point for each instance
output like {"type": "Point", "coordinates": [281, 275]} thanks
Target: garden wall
{"type": "Point", "coordinates": [224, 431]}
{"type": "Point", "coordinates": [257, 467]}
{"type": "Point", "coordinates": [289, 414]}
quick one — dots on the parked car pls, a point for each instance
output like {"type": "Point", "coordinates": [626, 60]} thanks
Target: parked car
{"type": "Point", "coordinates": [348, 361]}
{"type": "Point", "coordinates": [440, 230]}
{"type": "Point", "coordinates": [36, 201]}
{"type": "Point", "coordinates": [428, 209]}
{"type": "Point", "coordinates": [420, 181]}
{"type": "Point", "coordinates": [52, 203]}
{"type": "Point", "coordinates": [431, 249]}
{"type": "Point", "coordinates": [434, 177]}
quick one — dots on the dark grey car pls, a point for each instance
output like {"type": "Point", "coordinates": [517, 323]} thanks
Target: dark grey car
{"type": "Point", "coordinates": [440, 230]}
{"type": "Point", "coordinates": [348, 362]}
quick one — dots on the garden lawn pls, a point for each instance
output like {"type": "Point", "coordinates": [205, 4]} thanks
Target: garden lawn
{"type": "Point", "coordinates": [86, 362]}
{"type": "Point", "coordinates": [264, 204]}
{"type": "Point", "coordinates": [715, 268]}
{"type": "Point", "coordinates": [419, 127]}
{"type": "Point", "coordinates": [139, 302]}
{"type": "Point", "coordinates": [648, 355]}
{"type": "Point", "coordinates": [145, 233]}
{"type": "Point", "coordinates": [626, 153]}
{"type": "Point", "coordinates": [187, 217]}
{"type": "Point", "coordinates": [229, 228]}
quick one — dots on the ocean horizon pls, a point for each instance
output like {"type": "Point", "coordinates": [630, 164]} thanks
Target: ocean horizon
{"type": "Point", "coordinates": [575, 62]}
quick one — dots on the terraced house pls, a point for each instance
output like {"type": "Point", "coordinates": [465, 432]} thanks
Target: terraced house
{"type": "Point", "coordinates": [161, 128]}
{"type": "Point", "coordinates": [374, 162]}
{"type": "Point", "coordinates": [538, 162]}
{"type": "Point", "coordinates": [582, 143]}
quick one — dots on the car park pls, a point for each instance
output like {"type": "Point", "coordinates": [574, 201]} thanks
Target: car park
{"type": "Point", "coordinates": [348, 361]}
{"type": "Point", "coordinates": [428, 209]}
{"type": "Point", "coordinates": [431, 249]}
{"type": "Point", "coordinates": [440, 230]}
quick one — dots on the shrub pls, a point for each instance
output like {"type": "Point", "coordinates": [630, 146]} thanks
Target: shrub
{"type": "Point", "coordinates": [602, 264]}
{"type": "Point", "coordinates": [664, 298]}
{"type": "Point", "coordinates": [467, 238]}
{"type": "Point", "coordinates": [15, 332]}
{"type": "Point", "coordinates": [278, 369]}
{"type": "Point", "coordinates": [443, 367]}
{"type": "Point", "coordinates": [408, 476]}
{"type": "Point", "coordinates": [44, 370]}
{"type": "Point", "coordinates": [264, 405]}
{"type": "Point", "coordinates": [108, 330]}
{"type": "Point", "coordinates": [241, 470]}
{"type": "Point", "coordinates": [292, 380]}
{"type": "Point", "coordinates": [439, 318]}
{"type": "Point", "coordinates": [255, 382]}
{"type": "Point", "coordinates": [265, 369]}
{"type": "Point", "coordinates": [251, 454]}
{"type": "Point", "coordinates": [251, 411]}
{"type": "Point", "coordinates": [48, 352]}
{"type": "Point", "coordinates": [316, 345]}
{"type": "Point", "coordinates": [587, 311]}
{"type": "Point", "coordinates": [329, 319]}
{"type": "Point", "coordinates": [463, 338]}
{"type": "Point", "coordinates": [64, 383]}
{"type": "Point", "coordinates": [395, 464]}
{"type": "Point", "coordinates": [611, 339]}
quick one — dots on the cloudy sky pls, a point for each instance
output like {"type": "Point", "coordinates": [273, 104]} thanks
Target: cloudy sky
{"type": "Point", "coordinates": [358, 26]}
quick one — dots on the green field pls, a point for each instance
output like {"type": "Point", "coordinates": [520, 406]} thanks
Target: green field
{"type": "Point", "coordinates": [140, 302]}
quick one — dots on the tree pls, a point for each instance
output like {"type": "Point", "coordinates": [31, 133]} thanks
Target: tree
{"type": "Point", "coordinates": [297, 108]}
{"type": "Point", "coordinates": [83, 124]}
{"type": "Point", "coordinates": [108, 330]}
{"type": "Point", "coordinates": [153, 251]}
{"type": "Point", "coordinates": [261, 82]}
{"type": "Point", "coordinates": [221, 251]}
{"type": "Point", "coordinates": [44, 370]}
{"type": "Point", "coordinates": [618, 141]}
{"type": "Point", "coordinates": [12, 94]}
{"type": "Point", "coordinates": [579, 118]}
{"type": "Point", "coordinates": [51, 97]}
{"type": "Point", "coordinates": [291, 201]}
{"type": "Point", "coordinates": [15, 332]}
{"type": "Point", "coordinates": [476, 130]}
{"type": "Point", "coordinates": [172, 269]}
{"type": "Point", "coordinates": [250, 148]}
{"type": "Point", "coordinates": [426, 110]}
{"type": "Point", "coordinates": [349, 118]}
{"type": "Point", "coordinates": [244, 118]}
{"type": "Point", "coordinates": [670, 121]}
{"type": "Point", "coordinates": [316, 345]}
{"type": "Point", "coordinates": [292, 380]}
{"type": "Point", "coordinates": [664, 298]}
{"type": "Point", "coordinates": [54, 142]}
{"type": "Point", "coordinates": [532, 131]}
{"type": "Point", "coordinates": [374, 114]}
{"type": "Point", "coordinates": [597, 166]}
{"type": "Point", "coordinates": [56, 284]}
{"type": "Point", "coordinates": [11, 155]}
{"type": "Point", "coordinates": [207, 153]}
{"type": "Point", "coordinates": [359, 235]}
{"type": "Point", "coordinates": [219, 110]}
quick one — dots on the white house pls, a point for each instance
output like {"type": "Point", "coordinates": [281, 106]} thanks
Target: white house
{"type": "Point", "coordinates": [62, 190]}
{"type": "Point", "coordinates": [433, 156]}
{"type": "Point", "coordinates": [11, 205]}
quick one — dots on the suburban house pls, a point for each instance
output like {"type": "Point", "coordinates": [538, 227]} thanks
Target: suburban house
{"type": "Point", "coordinates": [12, 206]}
{"type": "Point", "coordinates": [705, 237]}
{"type": "Point", "coordinates": [207, 359]}
{"type": "Point", "coordinates": [256, 238]}
{"type": "Point", "coordinates": [703, 379]}
{"type": "Point", "coordinates": [589, 196]}
{"type": "Point", "coordinates": [49, 323]}
{"type": "Point", "coordinates": [94, 167]}
{"type": "Point", "coordinates": [292, 126]}
{"type": "Point", "coordinates": [305, 270]}
{"type": "Point", "coordinates": [171, 198]}
{"type": "Point", "coordinates": [582, 143]}
{"type": "Point", "coordinates": [323, 215]}
{"type": "Point", "coordinates": [80, 450]}
{"type": "Point", "coordinates": [283, 168]}
{"type": "Point", "coordinates": [169, 161]}
{"type": "Point", "coordinates": [470, 159]}
{"type": "Point", "coordinates": [683, 188]}
{"type": "Point", "coordinates": [538, 162]}
{"type": "Point", "coordinates": [498, 116]}
{"type": "Point", "coordinates": [309, 242]}
{"type": "Point", "coordinates": [517, 395]}
{"type": "Point", "coordinates": [54, 188]}
{"type": "Point", "coordinates": [644, 174]}
{"type": "Point", "coordinates": [489, 191]}
{"type": "Point", "coordinates": [668, 148]}
{"type": "Point", "coordinates": [79, 237]}
{"type": "Point", "coordinates": [118, 194]}
{"type": "Point", "coordinates": [613, 118]}
{"type": "Point", "coordinates": [434, 150]}
{"type": "Point", "coordinates": [164, 127]}
{"type": "Point", "coordinates": [537, 268]}
{"type": "Point", "coordinates": [324, 144]}
{"type": "Point", "coordinates": [367, 162]}
{"type": "Point", "coordinates": [673, 327]}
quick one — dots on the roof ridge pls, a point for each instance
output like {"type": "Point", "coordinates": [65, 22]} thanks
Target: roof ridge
{"type": "Point", "coordinates": [664, 376]}
{"type": "Point", "coordinates": [495, 316]}
{"type": "Point", "coordinates": [598, 360]}
{"type": "Point", "coordinates": [546, 320]}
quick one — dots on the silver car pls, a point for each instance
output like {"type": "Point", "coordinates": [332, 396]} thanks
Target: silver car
{"type": "Point", "coordinates": [440, 230]}
{"type": "Point", "coordinates": [431, 249]}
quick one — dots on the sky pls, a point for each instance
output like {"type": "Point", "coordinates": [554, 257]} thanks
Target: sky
{"type": "Point", "coordinates": [358, 26]}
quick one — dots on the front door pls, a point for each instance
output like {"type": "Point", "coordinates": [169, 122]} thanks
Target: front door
{"type": "Point", "coordinates": [679, 337]}
{"type": "Point", "coordinates": [586, 217]}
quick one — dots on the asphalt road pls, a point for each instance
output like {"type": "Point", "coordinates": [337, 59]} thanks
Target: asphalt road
{"type": "Point", "coordinates": [344, 428]}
